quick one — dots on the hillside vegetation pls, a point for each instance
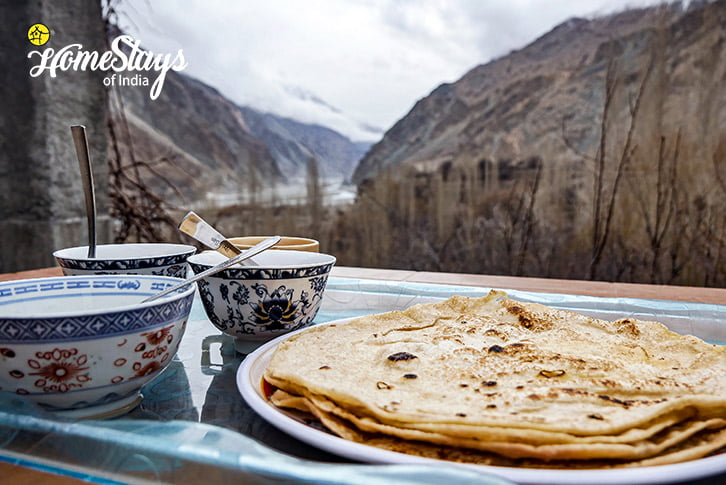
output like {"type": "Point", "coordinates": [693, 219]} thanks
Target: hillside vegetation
{"type": "Point", "coordinates": [644, 200]}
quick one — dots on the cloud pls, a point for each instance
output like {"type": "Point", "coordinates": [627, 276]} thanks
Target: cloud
{"type": "Point", "coordinates": [368, 61]}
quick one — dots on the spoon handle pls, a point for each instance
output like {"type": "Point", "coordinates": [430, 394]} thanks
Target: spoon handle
{"type": "Point", "coordinates": [254, 250]}
{"type": "Point", "coordinates": [196, 227]}
{"type": "Point", "coordinates": [84, 161]}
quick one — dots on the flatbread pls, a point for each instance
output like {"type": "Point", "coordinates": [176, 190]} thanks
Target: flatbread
{"type": "Point", "coordinates": [639, 449]}
{"type": "Point", "coordinates": [284, 399]}
{"type": "Point", "coordinates": [700, 444]}
{"type": "Point", "coordinates": [519, 380]}
{"type": "Point", "coordinates": [497, 362]}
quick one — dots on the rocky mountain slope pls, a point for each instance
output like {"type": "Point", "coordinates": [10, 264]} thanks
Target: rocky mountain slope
{"type": "Point", "coordinates": [198, 140]}
{"type": "Point", "coordinates": [292, 143]}
{"type": "Point", "coordinates": [529, 102]}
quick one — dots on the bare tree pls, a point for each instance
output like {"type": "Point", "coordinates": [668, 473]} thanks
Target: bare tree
{"type": "Point", "coordinates": [314, 195]}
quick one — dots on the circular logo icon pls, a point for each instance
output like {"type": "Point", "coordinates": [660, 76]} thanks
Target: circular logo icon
{"type": "Point", "coordinates": [38, 34]}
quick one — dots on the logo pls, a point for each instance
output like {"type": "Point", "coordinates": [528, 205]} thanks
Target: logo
{"type": "Point", "coordinates": [126, 63]}
{"type": "Point", "coordinates": [38, 34]}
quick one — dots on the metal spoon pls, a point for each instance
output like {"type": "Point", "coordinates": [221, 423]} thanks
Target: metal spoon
{"type": "Point", "coordinates": [84, 161]}
{"type": "Point", "coordinates": [254, 250]}
{"type": "Point", "coordinates": [196, 227]}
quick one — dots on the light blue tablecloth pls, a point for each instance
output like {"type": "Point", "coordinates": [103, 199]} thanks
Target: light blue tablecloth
{"type": "Point", "coordinates": [193, 425]}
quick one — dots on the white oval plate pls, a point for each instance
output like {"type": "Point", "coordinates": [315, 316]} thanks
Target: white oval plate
{"type": "Point", "coordinates": [249, 383]}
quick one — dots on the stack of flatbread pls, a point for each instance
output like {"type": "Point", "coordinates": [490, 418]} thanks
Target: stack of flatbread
{"type": "Point", "coordinates": [499, 382]}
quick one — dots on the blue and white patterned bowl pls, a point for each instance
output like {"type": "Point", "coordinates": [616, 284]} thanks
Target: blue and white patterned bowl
{"type": "Point", "coordinates": [136, 258]}
{"type": "Point", "coordinates": [85, 345]}
{"type": "Point", "coordinates": [254, 304]}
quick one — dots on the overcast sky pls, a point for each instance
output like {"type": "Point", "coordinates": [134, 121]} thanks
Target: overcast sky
{"type": "Point", "coordinates": [369, 61]}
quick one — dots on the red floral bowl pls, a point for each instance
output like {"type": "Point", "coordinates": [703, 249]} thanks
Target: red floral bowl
{"type": "Point", "coordinates": [83, 346]}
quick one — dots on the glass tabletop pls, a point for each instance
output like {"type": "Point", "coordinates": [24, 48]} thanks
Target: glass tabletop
{"type": "Point", "coordinates": [193, 425]}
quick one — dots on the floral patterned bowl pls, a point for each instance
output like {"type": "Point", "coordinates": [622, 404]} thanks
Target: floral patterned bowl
{"type": "Point", "coordinates": [83, 346]}
{"type": "Point", "coordinates": [254, 304]}
{"type": "Point", "coordinates": [139, 258]}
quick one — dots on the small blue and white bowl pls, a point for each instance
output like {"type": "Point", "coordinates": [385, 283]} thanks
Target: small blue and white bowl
{"type": "Point", "coordinates": [83, 346]}
{"type": "Point", "coordinates": [163, 259]}
{"type": "Point", "coordinates": [254, 304]}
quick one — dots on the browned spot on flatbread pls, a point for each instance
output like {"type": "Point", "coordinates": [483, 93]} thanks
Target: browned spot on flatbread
{"type": "Point", "coordinates": [398, 356]}
{"type": "Point", "coordinates": [627, 326]}
{"type": "Point", "coordinates": [528, 319]}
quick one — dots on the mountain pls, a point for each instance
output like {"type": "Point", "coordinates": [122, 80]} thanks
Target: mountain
{"type": "Point", "coordinates": [538, 100]}
{"type": "Point", "coordinates": [195, 138]}
{"type": "Point", "coordinates": [292, 143]}
{"type": "Point", "coordinates": [202, 136]}
{"type": "Point", "coordinates": [305, 100]}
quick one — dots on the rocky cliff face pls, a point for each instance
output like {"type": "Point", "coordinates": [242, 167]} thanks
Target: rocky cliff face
{"type": "Point", "coordinates": [198, 140]}
{"type": "Point", "coordinates": [531, 101]}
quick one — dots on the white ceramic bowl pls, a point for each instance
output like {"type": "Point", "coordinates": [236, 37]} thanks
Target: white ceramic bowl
{"type": "Point", "coordinates": [84, 346]}
{"type": "Point", "coordinates": [254, 304]}
{"type": "Point", "coordinates": [135, 258]}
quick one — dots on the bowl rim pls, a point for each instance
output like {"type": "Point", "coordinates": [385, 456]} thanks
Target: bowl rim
{"type": "Point", "coordinates": [330, 259]}
{"type": "Point", "coordinates": [173, 297]}
{"type": "Point", "coordinates": [286, 242]}
{"type": "Point", "coordinates": [181, 249]}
